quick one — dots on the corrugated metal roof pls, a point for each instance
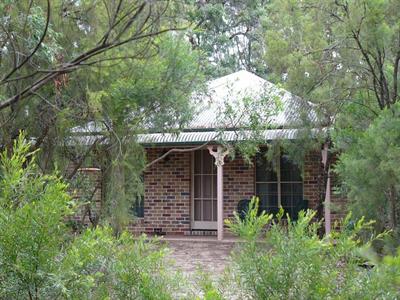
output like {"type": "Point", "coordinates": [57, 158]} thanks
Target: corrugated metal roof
{"type": "Point", "coordinates": [208, 119]}
{"type": "Point", "coordinates": [233, 89]}
{"type": "Point", "coordinates": [199, 137]}
{"type": "Point", "coordinates": [209, 136]}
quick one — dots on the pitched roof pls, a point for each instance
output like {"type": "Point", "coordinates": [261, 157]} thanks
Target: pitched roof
{"type": "Point", "coordinates": [230, 91]}
{"type": "Point", "coordinates": [233, 89]}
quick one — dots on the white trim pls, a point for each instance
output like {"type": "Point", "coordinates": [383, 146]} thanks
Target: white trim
{"type": "Point", "coordinates": [206, 225]}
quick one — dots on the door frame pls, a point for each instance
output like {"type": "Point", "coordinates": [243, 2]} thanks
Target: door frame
{"type": "Point", "coordinates": [199, 225]}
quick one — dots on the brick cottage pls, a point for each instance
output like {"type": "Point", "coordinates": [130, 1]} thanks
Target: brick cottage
{"type": "Point", "coordinates": [197, 185]}
{"type": "Point", "coordinates": [181, 194]}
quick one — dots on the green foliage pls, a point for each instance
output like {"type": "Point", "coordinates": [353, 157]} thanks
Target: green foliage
{"type": "Point", "coordinates": [229, 33]}
{"type": "Point", "coordinates": [40, 259]}
{"type": "Point", "coordinates": [96, 265]}
{"type": "Point", "coordinates": [33, 208]}
{"type": "Point", "coordinates": [148, 95]}
{"type": "Point", "coordinates": [292, 262]}
{"type": "Point", "coordinates": [369, 169]}
{"type": "Point", "coordinates": [207, 286]}
{"type": "Point", "coordinates": [331, 51]}
{"type": "Point", "coordinates": [252, 224]}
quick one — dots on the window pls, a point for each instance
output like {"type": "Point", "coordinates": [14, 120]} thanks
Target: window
{"type": "Point", "coordinates": [137, 207]}
{"type": "Point", "coordinates": [283, 188]}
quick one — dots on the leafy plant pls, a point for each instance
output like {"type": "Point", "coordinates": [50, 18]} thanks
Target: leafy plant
{"type": "Point", "coordinates": [96, 265]}
{"type": "Point", "coordinates": [33, 207]}
{"type": "Point", "coordinates": [370, 168]}
{"type": "Point", "coordinates": [292, 262]}
{"type": "Point", "coordinates": [41, 259]}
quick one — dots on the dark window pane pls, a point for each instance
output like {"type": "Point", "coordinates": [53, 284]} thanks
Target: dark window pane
{"type": "Point", "coordinates": [289, 170]}
{"type": "Point", "coordinates": [197, 186]}
{"type": "Point", "coordinates": [207, 186]}
{"type": "Point", "coordinates": [197, 162]}
{"type": "Point", "coordinates": [297, 188]}
{"type": "Point", "coordinates": [286, 201]}
{"type": "Point", "coordinates": [261, 189]}
{"type": "Point", "coordinates": [264, 169]}
{"type": "Point", "coordinates": [214, 210]}
{"type": "Point", "coordinates": [214, 186]}
{"type": "Point", "coordinates": [207, 210]}
{"type": "Point", "coordinates": [268, 201]}
{"type": "Point", "coordinates": [286, 188]}
{"type": "Point", "coordinates": [266, 188]}
{"type": "Point", "coordinates": [138, 207]}
{"type": "Point", "coordinates": [197, 210]}
{"type": "Point", "coordinates": [207, 162]}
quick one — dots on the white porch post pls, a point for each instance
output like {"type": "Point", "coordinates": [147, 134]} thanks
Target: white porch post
{"type": "Point", "coordinates": [219, 156]}
{"type": "Point", "coordinates": [327, 205]}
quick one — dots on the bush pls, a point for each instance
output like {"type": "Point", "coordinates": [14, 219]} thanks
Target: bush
{"type": "Point", "coordinates": [41, 259]}
{"type": "Point", "coordinates": [292, 262]}
{"type": "Point", "coordinates": [96, 265]}
{"type": "Point", "coordinates": [32, 212]}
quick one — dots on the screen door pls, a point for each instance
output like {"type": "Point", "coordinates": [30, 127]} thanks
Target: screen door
{"type": "Point", "coordinates": [204, 191]}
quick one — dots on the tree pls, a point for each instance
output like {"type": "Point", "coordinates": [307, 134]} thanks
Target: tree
{"type": "Point", "coordinates": [229, 32]}
{"type": "Point", "coordinates": [49, 50]}
{"type": "Point", "coordinates": [36, 59]}
{"type": "Point", "coordinates": [370, 171]}
{"type": "Point", "coordinates": [152, 96]}
{"type": "Point", "coordinates": [40, 258]}
{"type": "Point", "coordinates": [335, 51]}
{"type": "Point", "coordinates": [341, 55]}
{"type": "Point", "coordinates": [94, 62]}
{"type": "Point", "coordinates": [291, 261]}
{"type": "Point", "coordinates": [32, 222]}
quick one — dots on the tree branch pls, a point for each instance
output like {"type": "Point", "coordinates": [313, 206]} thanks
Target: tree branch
{"type": "Point", "coordinates": [75, 64]}
{"type": "Point", "coordinates": [180, 150]}
{"type": "Point", "coordinates": [36, 47]}
{"type": "Point", "coordinates": [82, 158]}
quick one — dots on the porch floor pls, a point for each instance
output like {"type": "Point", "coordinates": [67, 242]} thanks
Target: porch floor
{"type": "Point", "coordinates": [200, 238]}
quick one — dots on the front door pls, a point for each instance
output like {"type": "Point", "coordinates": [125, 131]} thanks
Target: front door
{"type": "Point", "coordinates": [204, 191]}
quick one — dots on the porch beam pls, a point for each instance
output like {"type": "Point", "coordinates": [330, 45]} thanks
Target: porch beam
{"type": "Point", "coordinates": [219, 156]}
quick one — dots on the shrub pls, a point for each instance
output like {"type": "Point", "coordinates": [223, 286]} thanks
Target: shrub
{"type": "Point", "coordinates": [292, 262]}
{"type": "Point", "coordinates": [96, 265]}
{"type": "Point", "coordinates": [40, 259]}
{"type": "Point", "coordinates": [32, 212]}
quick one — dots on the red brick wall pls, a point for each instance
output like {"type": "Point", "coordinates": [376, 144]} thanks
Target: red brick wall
{"type": "Point", "coordinates": [167, 201]}
{"type": "Point", "coordinates": [166, 194]}
{"type": "Point", "coordinates": [238, 184]}
{"type": "Point", "coordinates": [312, 179]}
{"type": "Point", "coordinates": [314, 186]}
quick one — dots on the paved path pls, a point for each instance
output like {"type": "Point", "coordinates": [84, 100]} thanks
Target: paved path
{"type": "Point", "coordinates": [210, 256]}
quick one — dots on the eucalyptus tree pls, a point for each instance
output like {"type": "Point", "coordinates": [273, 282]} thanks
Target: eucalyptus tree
{"type": "Point", "coordinates": [48, 50]}
{"type": "Point", "coordinates": [151, 95]}
{"type": "Point", "coordinates": [344, 56]}
{"type": "Point", "coordinates": [230, 34]}
{"type": "Point", "coordinates": [68, 63]}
